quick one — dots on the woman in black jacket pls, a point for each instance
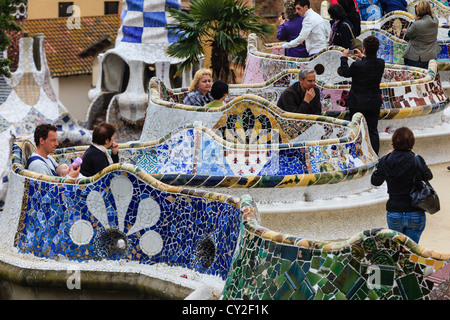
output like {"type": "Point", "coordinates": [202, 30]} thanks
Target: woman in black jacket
{"type": "Point", "coordinates": [342, 31]}
{"type": "Point", "coordinates": [398, 169]}
{"type": "Point", "coordinates": [97, 157]}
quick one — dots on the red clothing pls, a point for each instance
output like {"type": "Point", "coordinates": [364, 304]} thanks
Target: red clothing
{"type": "Point", "coordinates": [336, 2]}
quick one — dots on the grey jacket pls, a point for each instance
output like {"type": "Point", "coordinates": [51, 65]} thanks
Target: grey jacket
{"type": "Point", "coordinates": [422, 43]}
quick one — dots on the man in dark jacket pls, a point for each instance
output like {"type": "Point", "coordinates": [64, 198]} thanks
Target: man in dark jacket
{"type": "Point", "coordinates": [302, 96]}
{"type": "Point", "coordinates": [365, 93]}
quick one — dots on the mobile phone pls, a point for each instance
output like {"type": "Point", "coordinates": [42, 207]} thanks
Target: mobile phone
{"type": "Point", "coordinates": [351, 51]}
{"type": "Point", "coordinates": [282, 16]}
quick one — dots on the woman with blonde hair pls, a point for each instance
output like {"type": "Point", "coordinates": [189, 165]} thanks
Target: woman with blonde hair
{"type": "Point", "coordinates": [199, 90]}
{"type": "Point", "coordinates": [422, 34]}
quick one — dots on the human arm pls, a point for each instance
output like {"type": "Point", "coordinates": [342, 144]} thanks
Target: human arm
{"type": "Point", "coordinates": [378, 176]}
{"type": "Point", "coordinates": [74, 172]}
{"type": "Point", "coordinates": [307, 27]}
{"type": "Point", "coordinates": [411, 32]}
{"type": "Point", "coordinates": [427, 174]}
{"type": "Point", "coordinates": [115, 152]}
{"type": "Point", "coordinates": [346, 70]}
{"type": "Point", "coordinates": [311, 103]}
{"type": "Point", "coordinates": [282, 33]}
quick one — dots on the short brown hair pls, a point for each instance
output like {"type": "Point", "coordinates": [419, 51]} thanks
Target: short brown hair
{"type": "Point", "coordinates": [41, 131]}
{"type": "Point", "coordinates": [102, 132]}
{"type": "Point", "coordinates": [403, 139]}
{"type": "Point", "coordinates": [371, 44]}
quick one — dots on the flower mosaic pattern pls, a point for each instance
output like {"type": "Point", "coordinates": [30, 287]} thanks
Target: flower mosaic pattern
{"type": "Point", "coordinates": [123, 217]}
{"type": "Point", "coordinates": [148, 214]}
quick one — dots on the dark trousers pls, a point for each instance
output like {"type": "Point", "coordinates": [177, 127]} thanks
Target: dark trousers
{"type": "Point", "coordinates": [372, 125]}
{"type": "Point", "coordinates": [418, 64]}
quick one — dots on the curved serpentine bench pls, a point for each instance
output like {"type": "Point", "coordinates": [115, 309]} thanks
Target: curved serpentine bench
{"type": "Point", "coordinates": [120, 214]}
{"type": "Point", "coordinates": [329, 159]}
{"type": "Point", "coordinates": [378, 264]}
{"type": "Point", "coordinates": [401, 97]}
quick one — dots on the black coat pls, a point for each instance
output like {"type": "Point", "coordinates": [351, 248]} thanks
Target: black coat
{"type": "Point", "coordinates": [94, 161]}
{"type": "Point", "coordinates": [366, 74]}
{"type": "Point", "coordinates": [291, 100]}
{"type": "Point", "coordinates": [343, 36]}
{"type": "Point", "coordinates": [398, 169]}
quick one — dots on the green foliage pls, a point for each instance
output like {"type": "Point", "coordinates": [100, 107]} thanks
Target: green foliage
{"type": "Point", "coordinates": [222, 24]}
{"type": "Point", "coordinates": [7, 8]}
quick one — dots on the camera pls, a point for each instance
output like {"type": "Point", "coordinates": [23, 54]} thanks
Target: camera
{"type": "Point", "coordinates": [351, 51]}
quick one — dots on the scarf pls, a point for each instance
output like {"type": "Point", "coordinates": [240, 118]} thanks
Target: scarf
{"type": "Point", "coordinates": [105, 151]}
{"type": "Point", "coordinates": [334, 29]}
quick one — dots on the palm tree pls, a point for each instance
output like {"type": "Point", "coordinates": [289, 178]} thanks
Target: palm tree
{"type": "Point", "coordinates": [7, 8]}
{"type": "Point", "coordinates": [222, 24]}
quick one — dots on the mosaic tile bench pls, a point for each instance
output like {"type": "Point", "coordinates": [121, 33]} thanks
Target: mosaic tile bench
{"type": "Point", "coordinates": [30, 101]}
{"type": "Point", "coordinates": [332, 151]}
{"type": "Point", "coordinates": [408, 92]}
{"type": "Point", "coordinates": [330, 158]}
{"type": "Point", "coordinates": [122, 213]}
{"type": "Point", "coordinates": [377, 264]}
{"type": "Point", "coordinates": [440, 9]}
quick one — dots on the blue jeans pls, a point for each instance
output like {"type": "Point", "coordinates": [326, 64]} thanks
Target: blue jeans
{"type": "Point", "coordinates": [410, 224]}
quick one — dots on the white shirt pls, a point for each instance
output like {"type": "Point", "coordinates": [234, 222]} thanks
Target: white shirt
{"type": "Point", "coordinates": [315, 33]}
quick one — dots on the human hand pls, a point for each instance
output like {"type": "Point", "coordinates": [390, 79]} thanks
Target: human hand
{"type": "Point", "coordinates": [309, 95]}
{"type": "Point", "coordinates": [281, 20]}
{"type": "Point", "coordinates": [345, 53]}
{"type": "Point", "coordinates": [358, 53]}
{"type": "Point", "coordinates": [279, 46]}
{"type": "Point", "coordinates": [114, 148]}
{"type": "Point", "coordinates": [74, 172]}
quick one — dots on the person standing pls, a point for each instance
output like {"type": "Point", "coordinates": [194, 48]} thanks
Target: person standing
{"type": "Point", "coordinates": [365, 94]}
{"type": "Point", "coordinates": [289, 29]}
{"type": "Point", "coordinates": [422, 34]}
{"type": "Point", "coordinates": [303, 96]}
{"type": "Point", "coordinates": [342, 31]}
{"type": "Point", "coordinates": [398, 169]}
{"type": "Point", "coordinates": [315, 30]}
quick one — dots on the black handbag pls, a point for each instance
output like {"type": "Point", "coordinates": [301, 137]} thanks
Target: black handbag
{"type": "Point", "coordinates": [422, 194]}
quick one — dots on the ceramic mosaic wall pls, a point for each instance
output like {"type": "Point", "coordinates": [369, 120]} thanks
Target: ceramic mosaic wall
{"type": "Point", "coordinates": [373, 265]}
{"type": "Point", "coordinates": [440, 9]}
{"type": "Point", "coordinates": [392, 48]}
{"type": "Point", "coordinates": [121, 214]}
{"type": "Point", "coordinates": [194, 156]}
{"type": "Point", "coordinates": [246, 119]}
{"type": "Point", "coordinates": [30, 101]}
{"type": "Point", "coordinates": [407, 91]}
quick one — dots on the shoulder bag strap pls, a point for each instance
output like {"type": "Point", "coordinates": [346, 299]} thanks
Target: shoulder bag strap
{"type": "Point", "coordinates": [350, 28]}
